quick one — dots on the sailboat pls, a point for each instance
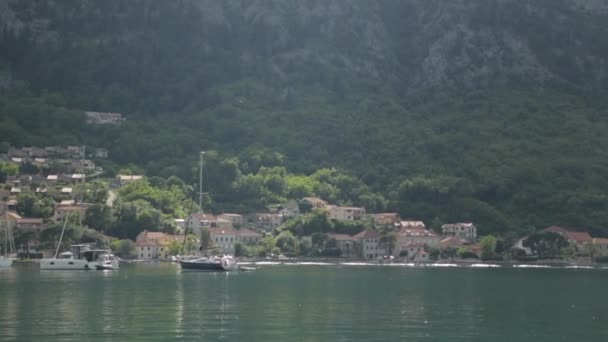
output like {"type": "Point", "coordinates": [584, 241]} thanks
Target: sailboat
{"type": "Point", "coordinates": [205, 263]}
{"type": "Point", "coordinates": [6, 259]}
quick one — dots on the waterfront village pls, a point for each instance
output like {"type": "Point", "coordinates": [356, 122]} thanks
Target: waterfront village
{"type": "Point", "coordinates": [385, 236]}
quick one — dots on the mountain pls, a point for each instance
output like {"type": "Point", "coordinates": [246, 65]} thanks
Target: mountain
{"type": "Point", "coordinates": [488, 111]}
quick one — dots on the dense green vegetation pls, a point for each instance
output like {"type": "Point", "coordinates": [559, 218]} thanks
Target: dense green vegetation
{"type": "Point", "coordinates": [339, 119]}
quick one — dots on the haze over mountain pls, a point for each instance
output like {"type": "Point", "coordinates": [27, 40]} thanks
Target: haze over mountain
{"type": "Point", "coordinates": [490, 111]}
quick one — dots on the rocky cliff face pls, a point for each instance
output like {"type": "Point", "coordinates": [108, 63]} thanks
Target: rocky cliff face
{"type": "Point", "coordinates": [408, 45]}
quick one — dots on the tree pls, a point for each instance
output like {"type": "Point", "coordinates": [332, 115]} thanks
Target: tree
{"type": "Point", "coordinates": [205, 239]}
{"type": "Point", "coordinates": [304, 246]}
{"type": "Point", "coordinates": [25, 204]}
{"type": "Point", "coordinates": [488, 247]}
{"type": "Point", "coordinates": [124, 248]}
{"type": "Point", "coordinates": [174, 247]}
{"type": "Point", "coordinates": [239, 249]}
{"type": "Point", "coordinates": [7, 169]}
{"type": "Point", "coordinates": [286, 242]}
{"type": "Point", "coordinates": [99, 217]}
{"type": "Point", "coordinates": [547, 245]}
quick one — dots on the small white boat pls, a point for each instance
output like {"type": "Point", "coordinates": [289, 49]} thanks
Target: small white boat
{"type": "Point", "coordinates": [5, 261]}
{"type": "Point", "coordinates": [82, 257]}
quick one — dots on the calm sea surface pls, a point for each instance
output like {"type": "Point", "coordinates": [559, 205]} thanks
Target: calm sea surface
{"type": "Point", "coordinates": [158, 302]}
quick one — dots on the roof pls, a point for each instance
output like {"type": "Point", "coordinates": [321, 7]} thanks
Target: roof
{"type": "Point", "coordinates": [346, 208]}
{"type": "Point", "coordinates": [416, 231]}
{"type": "Point", "coordinates": [130, 177]}
{"type": "Point", "coordinates": [342, 237]}
{"type": "Point", "coordinates": [414, 245]}
{"type": "Point", "coordinates": [247, 232]}
{"type": "Point", "coordinates": [66, 190]}
{"type": "Point", "coordinates": [51, 177]}
{"type": "Point", "coordinates": [314, 200]}
{"type": "Point", "coordinates": [70, 208]}
{"type": "Point", "coordinates": [40, 189]}
{"type": "Point", "coordinates": [386, 215]}
{"type": "Point", "coordinates": [147, 238]}
{"type": "Point", "coordinates": [222, 231]}
{"type": "Point", "coordinates": [12, 215]}
{"type": "Point", "coordinates": [231, 215]}
{"type": "Point", "coordinates": [451, 241]}
{"type": "Point", "coordinates": [66, 202]}
{"type": "Point", "coordinates": [367, 234]}
{"type": "Point", "coordinates": [457, 225]}
{"type": "Point", "coordinates": [27, 220]}
{"type": "Point", "coordinates": [413, 224]}
{"type": "Point", "coordinates": [202, 217]}
{"type": "Point", "coordinates": [556, 229]}
{"type": "Point", "coordinates": [78, 176]}
{"type": "Point", "coordinates": [579, 237]}
{"type": "Point", "coordinates": [600, 241]}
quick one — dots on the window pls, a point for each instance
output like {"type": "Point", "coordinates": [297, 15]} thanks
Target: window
{"type": "Point", "coordinates": [148, 248]}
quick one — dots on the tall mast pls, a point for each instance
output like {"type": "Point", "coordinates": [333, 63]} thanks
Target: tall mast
{"type": "Point", "coordinates": [5, 251]}
{"type": "Point", "coordinates": [82, 170]}
{"type": "Point", "coordinates": [200, 184]}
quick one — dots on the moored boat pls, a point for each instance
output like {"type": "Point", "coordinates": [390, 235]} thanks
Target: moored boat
{"type": "Point", "coordinates": [81, 257]}
{"type": "Point", "coordinates": [215, 263]}
{"type": "Point", "coordinates": [5, 261]}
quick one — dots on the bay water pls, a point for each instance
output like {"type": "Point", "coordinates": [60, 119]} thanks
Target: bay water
{"type": "Point", "coordinates": [159, 302]}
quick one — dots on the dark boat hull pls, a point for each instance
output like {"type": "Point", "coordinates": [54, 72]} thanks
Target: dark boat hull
{"type": "Point", "coordinates": [201, 266]}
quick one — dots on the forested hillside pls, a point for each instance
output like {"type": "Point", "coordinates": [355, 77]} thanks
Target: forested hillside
{"type": "Point", "coordinates": [484, 111]}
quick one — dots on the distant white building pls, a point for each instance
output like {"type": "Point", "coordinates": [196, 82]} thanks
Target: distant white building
{"type": "Point", "coordinates": [97, 118]}
{"type": "Point", "coordinates": [126, 179]}
{"type": "Point", "coordinates": [267, 221]}
{"type": "Point", "coordinates": [371, 246]}
{"type": "Point", "coordinates": [154, 245]}
{"type": "Point", "coordinates": [198, 221]}
{"type": "Point", "coordinates": [235, 219]}
{"type": "Point", "coordinates": [465, 231]}
{"type": "Point", "coordinates": [346, 213]}
{"type": "Point", "coordinates": [413, 234]}
{"type": "Point", "coordinates": [224, 239]}
{"type": "Point", "coordinates": [290, 210]}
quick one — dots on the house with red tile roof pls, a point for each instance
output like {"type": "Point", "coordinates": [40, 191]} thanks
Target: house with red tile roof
{"type": "Point", "coordinates": [154, 245]}
{"type": "Point", "coordinates": [578, 239]}
{"type": "Point", "coordinates": [416, 233]}
{"type": "Point", "coordinates": [451, 242]}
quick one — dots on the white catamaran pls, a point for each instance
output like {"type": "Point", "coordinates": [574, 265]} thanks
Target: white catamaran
{"type": "Point", "coordinates": [80, 257]}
